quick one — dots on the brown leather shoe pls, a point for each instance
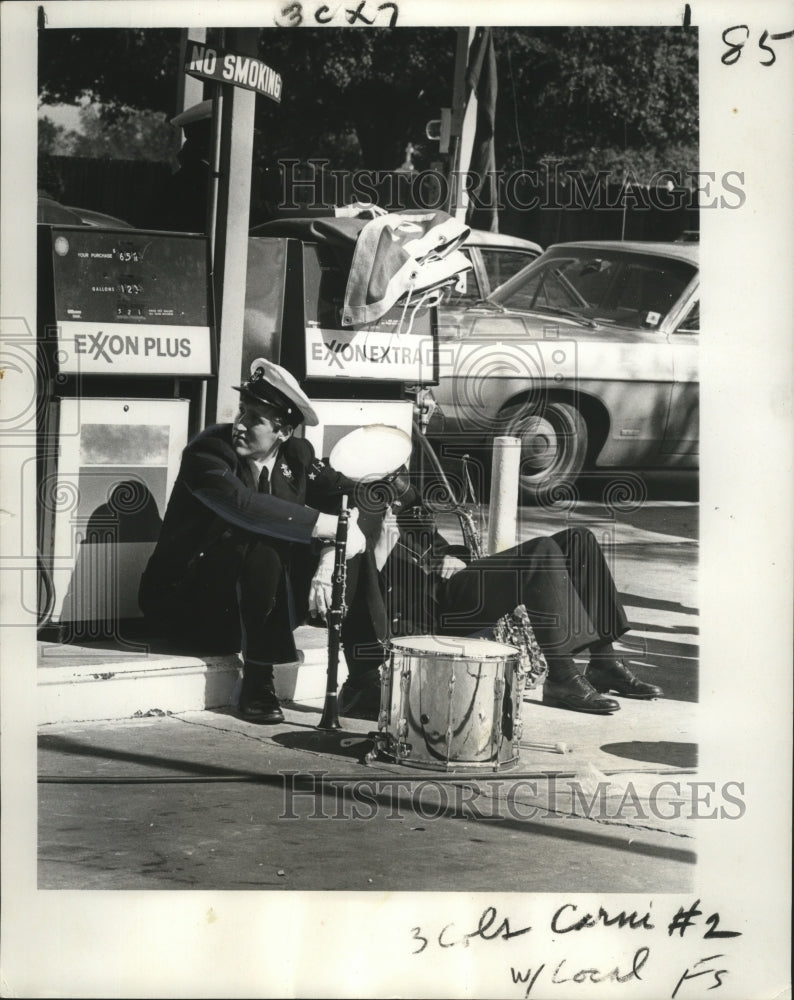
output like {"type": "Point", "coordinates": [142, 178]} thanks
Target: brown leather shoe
{"type": "Point", "coordinates": [578, 695]}
{"type": "Point", "coordinates": [612, 674]}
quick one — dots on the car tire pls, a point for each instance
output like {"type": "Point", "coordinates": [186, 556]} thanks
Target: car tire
{"type": "Point", "coordinates": [554, 444]}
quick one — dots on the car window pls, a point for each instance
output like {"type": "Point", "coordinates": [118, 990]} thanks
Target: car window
{"type": "Point", "coordinates": [503, 264]}
{"type": "Point", "coordinates": [466, 290]}
{"type": "Point", "coordinates": [548, 286]}
{"type": "Point", "coordinates": [648, 287]}
{"type": "Point", "coordinates": [691, 322]}
{"type": "Point", "coordinates": [627, 289]}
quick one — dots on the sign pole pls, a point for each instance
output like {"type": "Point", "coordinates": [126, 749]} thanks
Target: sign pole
{"type": "Point", "coordinates": [239, 76]}
{"type": "Point", "coordinates": [462, 126]}
{"type": "Point", "coordinates": [229, 232]}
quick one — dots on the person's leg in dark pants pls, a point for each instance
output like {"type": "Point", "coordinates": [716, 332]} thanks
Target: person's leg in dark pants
{"type": "Point", "coordinates": [593, 581]}
{"type": "Point", "coordinates": [533, 573]}
{"type": "Point", "coordinates": [538, 575]}
{"type": "Point", "coordinates": [359, 696]}
{"type": "Point", "coordinates": [266, 627]}
{"type": "Point", "coordinates": [233, 599]}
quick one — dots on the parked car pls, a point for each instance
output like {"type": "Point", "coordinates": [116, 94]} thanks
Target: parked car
{"type": "Point", "coordinates": [589, 355]}
{"type": "Point", "coordinates": [102, 220]}
{"type": "Point", "coordinates": [495, 257]}
{"type": "Point", "coordinates": [53, 212]}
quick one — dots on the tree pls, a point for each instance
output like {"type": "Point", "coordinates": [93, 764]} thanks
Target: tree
{"type": "Point", "coordinates": [131, 135]}
{"type": "Point", "coordinates": [117, 68]}
{"type": "Point", "coordinates": [364, 94]}
{"type": "Point", "coordinates": [615, 99]}
{"type": "Point", "coordinates": [55, 140]}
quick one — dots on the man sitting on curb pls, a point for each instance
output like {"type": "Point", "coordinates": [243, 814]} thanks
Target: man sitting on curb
{"type": "Point", "coordinates": [248, 532]}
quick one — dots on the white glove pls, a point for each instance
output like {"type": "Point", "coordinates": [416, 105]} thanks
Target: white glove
{"type": "Point", "coordinates": [320, 589]}
{"type": "Point", "coordinates": [327, 526]}
{"type": "Point", "coordinates": [450, 565]}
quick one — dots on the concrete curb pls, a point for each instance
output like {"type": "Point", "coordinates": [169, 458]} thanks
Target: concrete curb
{"type": "Point", "coordinates": [87, 684]}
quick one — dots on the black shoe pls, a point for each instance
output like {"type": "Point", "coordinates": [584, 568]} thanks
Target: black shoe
{"type": "Point", "coordinates": [577, 694]}
{"type": "Point", "coordinates": [611, 674]}
{"type": "Point", "coordinates": [260, 706]}
{"type": "Point", "coordinates": [360, 698]}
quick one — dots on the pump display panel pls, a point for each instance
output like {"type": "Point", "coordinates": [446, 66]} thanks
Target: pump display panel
{"type": "Point", "coordinates": [127, 302]}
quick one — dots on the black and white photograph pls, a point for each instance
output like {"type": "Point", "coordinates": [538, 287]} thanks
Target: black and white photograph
{"type": "Point", "coordinates": [396, 586]}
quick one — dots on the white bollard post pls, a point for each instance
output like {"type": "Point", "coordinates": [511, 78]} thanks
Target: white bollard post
{"type": "Point", "coordinates": [503, 511]}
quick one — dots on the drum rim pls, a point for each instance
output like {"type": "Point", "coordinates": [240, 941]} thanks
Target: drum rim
{"type": "Point", "coordinates": [507, 651]}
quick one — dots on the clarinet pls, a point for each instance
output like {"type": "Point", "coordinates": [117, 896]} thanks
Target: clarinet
{"type": "Point", "coordinates": [336, 615]}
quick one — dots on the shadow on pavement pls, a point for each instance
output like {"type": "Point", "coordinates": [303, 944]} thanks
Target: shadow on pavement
{"type": "Point", "coordinates": [341, 744]}
{"type": "Point", "coordinates": [636, 601]}
{"type": "Point", "coordinates": [671, 665]}
{"type": "Point", "coordinates": [670, 484]}
{"type": "Point", "coordinates": [585, 834]}
{"type": "Point", "coordinates": [664, 752]}
{"type": "Point", "coordinates": [67, 747]}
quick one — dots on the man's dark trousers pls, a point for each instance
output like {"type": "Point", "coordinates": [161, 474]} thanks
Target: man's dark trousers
{"type": "Point", "coordinates": [563, 580]}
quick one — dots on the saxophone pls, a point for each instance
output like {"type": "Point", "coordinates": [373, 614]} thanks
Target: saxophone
{"type": "Point", "coordinates": [472, 537]}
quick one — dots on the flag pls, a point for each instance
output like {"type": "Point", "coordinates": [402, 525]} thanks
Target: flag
{"type": "Point", "coordinates": [481, 81]}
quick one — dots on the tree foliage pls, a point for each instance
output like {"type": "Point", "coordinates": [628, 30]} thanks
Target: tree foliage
{"type": "Point", "coordinates": [55, 140]}
{"type": "Point", "coordinates": [115, 68]}
{"type": "Point", "coordinates": [133, 135]}
{"type": "Point", "coordinates": [356, 97]}
{"type": "Point", "coordinates": [616, 99]}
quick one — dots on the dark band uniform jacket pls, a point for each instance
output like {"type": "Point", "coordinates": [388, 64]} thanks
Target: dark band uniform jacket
{"type": "Point", "coordinates": [214, 512]}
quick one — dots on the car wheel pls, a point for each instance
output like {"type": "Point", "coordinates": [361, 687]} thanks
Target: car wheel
{"type": "Point", "coordinates": [553, 447]}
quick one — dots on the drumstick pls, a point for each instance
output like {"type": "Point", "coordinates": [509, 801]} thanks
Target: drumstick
{"type": "Point", "coordinates": [550, 747]}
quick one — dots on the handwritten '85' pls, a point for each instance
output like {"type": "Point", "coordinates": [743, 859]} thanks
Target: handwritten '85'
{"type": "Point", "coordinates": [732, 37]}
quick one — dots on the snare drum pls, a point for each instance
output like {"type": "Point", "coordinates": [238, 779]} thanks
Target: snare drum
{"type": "Point", "coordinates": [451, 703]}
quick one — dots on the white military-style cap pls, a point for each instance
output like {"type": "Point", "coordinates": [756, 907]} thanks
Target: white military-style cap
{"type": "Point", "coordinates": [196, 113]}
{"type": "Point", "coordinates": [371, 453]}
{"type": "Point", "coordinates": [273, 384]}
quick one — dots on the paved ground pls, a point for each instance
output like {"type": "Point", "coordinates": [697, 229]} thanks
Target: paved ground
{"type": "Point", "coordinates": [202, 800]}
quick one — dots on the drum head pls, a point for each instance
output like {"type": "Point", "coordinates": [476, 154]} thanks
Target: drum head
{"type": "Point", "coordinates": [453, 647]}
{"type": "Point", "coordinates": [370, 453]}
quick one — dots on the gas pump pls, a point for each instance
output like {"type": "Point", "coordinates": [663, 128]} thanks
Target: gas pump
{"type": "Point", "coordinates": [357, 374]}
{"type": "Point", "coordinates": [125, 349]}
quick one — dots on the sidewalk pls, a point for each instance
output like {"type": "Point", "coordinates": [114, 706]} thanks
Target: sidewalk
{"type": "Point", "coordinates": [191, 796]}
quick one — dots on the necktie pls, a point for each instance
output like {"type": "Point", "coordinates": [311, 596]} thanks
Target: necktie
{"type": "Point", "coordinates": [264, 480]}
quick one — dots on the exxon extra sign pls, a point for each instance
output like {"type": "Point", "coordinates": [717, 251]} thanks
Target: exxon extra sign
{"type": "Point", "coordinates": [229, 67]}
